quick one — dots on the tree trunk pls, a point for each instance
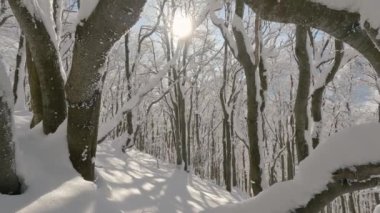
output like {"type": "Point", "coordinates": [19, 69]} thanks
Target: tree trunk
{"type": "Point", "coordinates": [98, 33]}
{"type": "Point", "coordinates": [234, 172]}
{"type": "Point", "coordinates": [317, 96]}
{"type": "Point", "coordinates": [301, 102]}
{"type": "Point", "coordinates": [19, 68]}
{"type": "Point", "coordinates": [341, 24]}
{"type": "Point", "coordinates": [227, 158]}
{"type": "Point", "coordinates": [129, 115]}
{"type": "Point", "coordinates": [35, 89]}
{"type": "Point", "coordinates": [351, 203]}
{"type": "Point", "coordinates": [343, 203]}
{"type": "Point", "coordinates": [9, 183]}
{"type": "Point", "coordinates": [45, 57]}
{"type": "Point", "coordinates": [250, 70]}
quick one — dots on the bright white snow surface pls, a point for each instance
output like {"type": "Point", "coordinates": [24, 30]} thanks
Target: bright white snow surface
{"type": "Point", "coordinates": [377, 209]}
{"type": "Point", "coordinates": [127, 182]}
{"type": "Point", "coordinates": [368, 9]}
{"type": "Point", "coordinates": [355, 146]}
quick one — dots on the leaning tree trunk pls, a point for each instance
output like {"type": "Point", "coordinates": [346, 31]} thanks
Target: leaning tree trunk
{"type": "Point", "coordinates": [9, 183]}
{"type": "Point", "coordinates": [98, 33]}
{"type": "Point", "coordinates": [46, 61]}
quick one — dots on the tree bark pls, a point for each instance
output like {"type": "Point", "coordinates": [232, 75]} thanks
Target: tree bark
{"type": "Point", "coordinates": [301, 102]}
{"type": "Point", "coordinates": [45, 57]}
{"type": "Point", "coordinates": [227, 158]}
{"type": "Point", "coordinates": [18, 70]}
{"type": "Point", "coordinates": [128, 75]}
{"type": "Point", "coordinates": [35, 89]}
{"type": "Point", "coordinates": [351, 203]}
{"type": "Point", "coordinates": [98, 34]}
{"type": "Point", "coordinates": [9, 183]}
{"type": "Point", "coordinates": [341, 24]}
{"type": "Point", "coordinates": [317, 96]}
{"type": "Point", "coordinates": [250, 70]}
{"type": "Point", "coordinates": [344, 181]}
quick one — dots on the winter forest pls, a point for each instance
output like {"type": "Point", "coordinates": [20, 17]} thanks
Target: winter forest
{"type": "Point", "coordinates": [169, 106]}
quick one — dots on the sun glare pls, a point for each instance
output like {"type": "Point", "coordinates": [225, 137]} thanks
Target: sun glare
{"type": "Point", "coordinates": [182, 26]}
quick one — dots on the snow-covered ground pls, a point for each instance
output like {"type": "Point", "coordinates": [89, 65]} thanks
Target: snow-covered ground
{"type": "Point", "coordinates": [129, 182]}
{"type": "Point", "coordinates": [354, 146]}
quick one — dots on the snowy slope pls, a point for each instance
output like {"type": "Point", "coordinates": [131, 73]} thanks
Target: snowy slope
{"type": "Point", "coordinates": [358, 145]}
{"type": "Point", "coordinates": [127, 183]}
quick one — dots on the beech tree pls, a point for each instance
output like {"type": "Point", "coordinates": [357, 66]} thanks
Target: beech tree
{"type": "Point", "coordinates": [193, 114]}
{"type": "Point", "coordinates": [82, 90]}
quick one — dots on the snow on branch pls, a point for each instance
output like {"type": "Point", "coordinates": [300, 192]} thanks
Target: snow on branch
{"type": "Point", "coordinates": [107, 127]}
{"type": "Point", "coordinates": [368, 10]}
{"type": "Point", "coordinates": [220, 23]}
{"type": "Point", "coordinates": [43, 11]}
{"type": "Point", "coordinates": [348, 161]}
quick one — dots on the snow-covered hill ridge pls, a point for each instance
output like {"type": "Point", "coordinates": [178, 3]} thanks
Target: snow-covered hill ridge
{"type": "Point", "coordinates": [126, 182]}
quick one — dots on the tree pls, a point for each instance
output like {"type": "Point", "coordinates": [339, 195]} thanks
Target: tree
{"type": "Point", "coordinates": [249, 60]}
{"type": "Point", "coordinates": [300, 108]}
{"type": "Point", "coordinates": [45, 59]}
{"type": "Point", "coordinates": [341, 24]}
{"type": "Point", "coordinates": [9, 183]}
{"type": "Point", "coordinates": [83, 90]}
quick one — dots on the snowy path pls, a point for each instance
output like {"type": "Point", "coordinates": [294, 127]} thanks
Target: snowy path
{"type": "Point", "coordinates": [126, 182]}
{"type": "Point", "coordinates": [146, 187]}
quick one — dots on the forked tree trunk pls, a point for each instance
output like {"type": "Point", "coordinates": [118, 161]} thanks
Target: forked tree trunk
{"type": "Point", "coordinates": [46, 61]}
{"type": "Point", "coordinates": [98, 34]}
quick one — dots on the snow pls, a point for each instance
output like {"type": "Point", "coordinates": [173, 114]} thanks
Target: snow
{"type": "Point", "coordinates": [237, 23]}
{"type": "Point", "coordinates": [86, 8]}
{"type": "Point", "coordinates": [43, 11]}
{"type": "Point", "coordinates": [354, 146]}
{"type": "Point", "coordinates": [217, 6]}
{"type": "Point", "coordinates": [368, 9]}
{"type": "Point", "coordinates": [377, 209]}
{"type": "Point", "coordinates": [126, 182]}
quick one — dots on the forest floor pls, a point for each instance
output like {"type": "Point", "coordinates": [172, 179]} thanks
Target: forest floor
{"type": "Point", "coordinates": [131, 182]}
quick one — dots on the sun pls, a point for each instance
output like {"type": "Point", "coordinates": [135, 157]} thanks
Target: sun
{"type": "Point", "coordinates": [182, 26]}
